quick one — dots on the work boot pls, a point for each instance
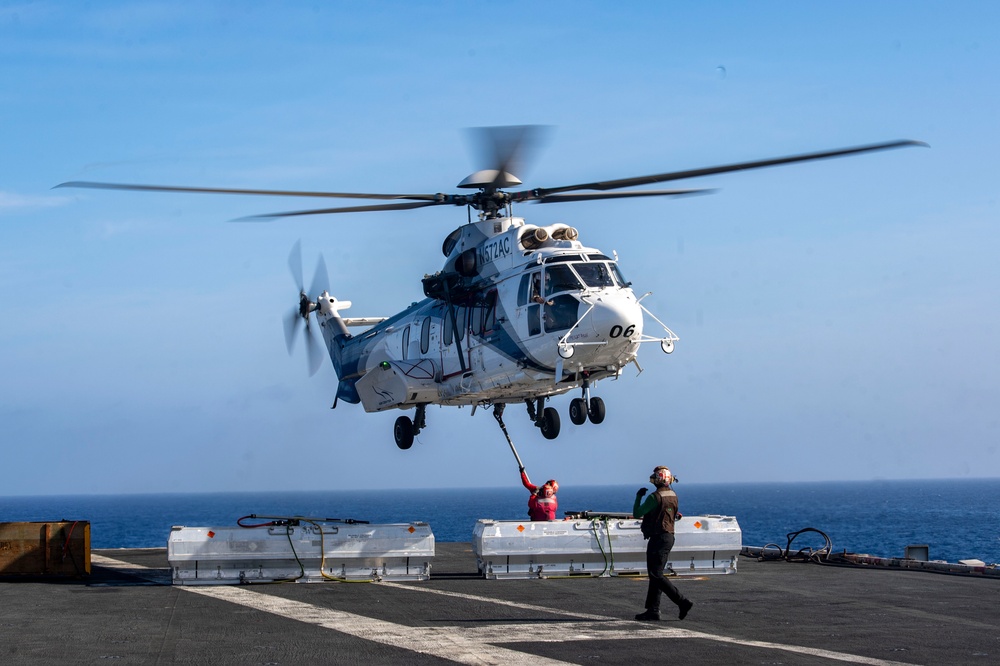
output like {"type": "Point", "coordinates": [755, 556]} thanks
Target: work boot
{"type": "Point", "coordinates": [649, 616]}
{"type": "Point", "coordinates": [685, 605]}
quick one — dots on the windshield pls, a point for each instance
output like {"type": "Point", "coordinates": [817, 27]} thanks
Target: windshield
{"type": "Point", "coordinates": [618, 275]}
{"type": "Point", "coordinates": [560, 278]}
{"type": "Point", "coordinates": [595, 274]}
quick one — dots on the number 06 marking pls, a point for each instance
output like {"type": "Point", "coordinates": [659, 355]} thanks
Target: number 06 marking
{"type": "Point", "coordinates": [617, 331]}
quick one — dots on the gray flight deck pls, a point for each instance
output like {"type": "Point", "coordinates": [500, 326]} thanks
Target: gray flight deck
{"type": "Point", "coordinates": [773, 612]}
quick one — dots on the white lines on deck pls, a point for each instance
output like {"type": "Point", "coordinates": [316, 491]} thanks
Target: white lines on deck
{"type": "Point", "coordinates": [449, 643]}
{"type": "Point", "coordinates": [471, 645]}
{"type": "Point", "coordinates": [500, 602]}
{"type": "Point", "coordinates": [610, 628]}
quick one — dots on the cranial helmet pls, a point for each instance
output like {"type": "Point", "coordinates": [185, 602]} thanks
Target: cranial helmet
{"type": "Point", "coordinates": [661, 476]}
{"type": "Point", "coordinates": [550, 488]}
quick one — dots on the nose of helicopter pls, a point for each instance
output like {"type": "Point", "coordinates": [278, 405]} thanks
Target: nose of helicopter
{"type": "Point", "coordinates": [617, 321]}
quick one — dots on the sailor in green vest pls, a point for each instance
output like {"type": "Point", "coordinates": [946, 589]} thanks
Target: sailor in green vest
{"type": "Point", "coordinates": [658, 514]}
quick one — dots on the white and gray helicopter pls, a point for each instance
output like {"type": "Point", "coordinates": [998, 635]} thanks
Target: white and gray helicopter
{"type": "Point", "coordinates": [518, 314]}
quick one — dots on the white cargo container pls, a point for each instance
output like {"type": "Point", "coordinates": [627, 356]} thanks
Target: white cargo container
{"type": "Point", "coordinates": [305, 550]}
{"type": "Point", "coordinates": [601, 545]}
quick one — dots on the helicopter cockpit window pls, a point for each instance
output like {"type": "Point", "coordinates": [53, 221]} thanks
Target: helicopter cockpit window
{"type": "Point", "coordinates": [406, 342]}
{"type": "Point", "coordinates": [560, 278]}
{"type": "Point", "coordinates": [618, 275]}
{"type": "Point", "coordinates": [595, 274]}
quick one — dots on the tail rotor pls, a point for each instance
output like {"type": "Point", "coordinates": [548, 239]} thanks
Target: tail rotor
{"type": "Point", "coordinates": [293, 321]}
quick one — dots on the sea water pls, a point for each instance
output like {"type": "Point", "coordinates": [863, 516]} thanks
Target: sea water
{"type": "Point", "coordinates": [957, 519]}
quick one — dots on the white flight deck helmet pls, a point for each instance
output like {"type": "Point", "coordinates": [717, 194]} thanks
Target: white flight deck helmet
{"type": "Point", "coordinates": [661, 476]}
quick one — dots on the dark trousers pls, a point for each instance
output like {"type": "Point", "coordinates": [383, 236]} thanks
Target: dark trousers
{"type": "Point", "coordinates": [657, 554]}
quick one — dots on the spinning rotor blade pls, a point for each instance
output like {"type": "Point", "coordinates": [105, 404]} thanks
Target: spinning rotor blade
{"type": "Point", "coordinates": [348, 209]}
{"type": "Point", "coordinates": [507, 149]}
{"type": "Point", "coordinates": [314, 355]}
{"type": "Point", "coordinates": [229, 190]}
{"type": "Point", "coordinates": [292, 321]}
{"type": "Point", "coordinates": [295, 265]}
{"type": "Point", "coordinates": [528, 195]}
{"type": "Point", "coordinates": [590, 196]}
{"type": "Point", "coordinates": [321, 279]}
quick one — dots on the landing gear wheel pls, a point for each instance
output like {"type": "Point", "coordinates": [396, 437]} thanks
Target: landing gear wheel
{"type": "Point", "coordinates": [403, 432]}
{"type": "Point", "coordinates": [550, 423]}
{"type": "Point", "coordinates": [597, 411]}
{"type": "Point", "coordinates": [578, 411]}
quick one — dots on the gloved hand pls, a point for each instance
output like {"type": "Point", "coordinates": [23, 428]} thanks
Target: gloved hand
{"type": "Point", "coordinates": [521, 469]}
{"type": "Point", "coordinates": [640, 493]}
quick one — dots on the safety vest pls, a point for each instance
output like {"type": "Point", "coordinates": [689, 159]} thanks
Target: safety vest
{"type": "Point", "coordinates": [661, 519]}
{"type": "Point", "coordinates": [542, 508]}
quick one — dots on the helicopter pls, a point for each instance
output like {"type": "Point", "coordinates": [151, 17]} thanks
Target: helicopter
{"type": "Point", "coordinates": [519, 313]}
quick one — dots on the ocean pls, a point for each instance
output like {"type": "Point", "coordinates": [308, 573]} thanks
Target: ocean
{"type": "Point", "coordinates": [957, 519]}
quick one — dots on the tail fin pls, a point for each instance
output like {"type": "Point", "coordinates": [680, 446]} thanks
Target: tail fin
{"type": "Point", "coordinates": [328, 311]}
{"type": "Point", "coordinates": [344, 355]}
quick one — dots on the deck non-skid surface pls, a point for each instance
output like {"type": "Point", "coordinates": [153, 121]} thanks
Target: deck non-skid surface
{"type": "Point", "coordinates": [768, 613]}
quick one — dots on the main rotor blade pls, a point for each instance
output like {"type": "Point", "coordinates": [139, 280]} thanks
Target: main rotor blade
{"type": "Point", "coordinates": [527, 195]}
{"type": "Point", "coordinates": [590, 196]}
{"type": "Point", "coordinates": [229, 190]}
{"type": "Point", "coordinates": [348, 209]}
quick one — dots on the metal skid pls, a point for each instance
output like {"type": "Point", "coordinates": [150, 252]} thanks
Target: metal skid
{"type": "Point", "coordinates": [600, 545]}
{"type": "Point", "coordinates": [304, 550]}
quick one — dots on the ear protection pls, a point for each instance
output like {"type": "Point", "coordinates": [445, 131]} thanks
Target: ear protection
{"type": "Point", "coordinates": [661, 476]}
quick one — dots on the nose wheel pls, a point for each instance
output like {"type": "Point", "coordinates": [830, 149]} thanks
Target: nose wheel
{"type": "Point", "coordinates": [596, 411]}
{"type": "Point", "coordinates": [585, 407]}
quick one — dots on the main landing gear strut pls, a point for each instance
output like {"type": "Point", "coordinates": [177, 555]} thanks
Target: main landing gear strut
{"type": "Point", "coordinates": [545, 418]}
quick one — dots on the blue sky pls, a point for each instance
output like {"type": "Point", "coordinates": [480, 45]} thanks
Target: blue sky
{"type": "Point", "coordinates": [838, 320]}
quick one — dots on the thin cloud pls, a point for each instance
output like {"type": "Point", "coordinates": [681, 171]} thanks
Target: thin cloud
{"type": "Point", "coordinates": [11, 201]}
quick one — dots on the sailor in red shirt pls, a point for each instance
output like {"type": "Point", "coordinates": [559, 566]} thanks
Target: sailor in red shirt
{"type": "Point", "coordinates": [542, 504]}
